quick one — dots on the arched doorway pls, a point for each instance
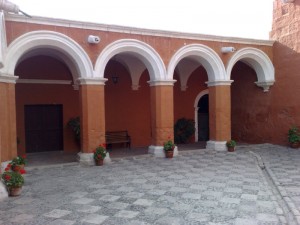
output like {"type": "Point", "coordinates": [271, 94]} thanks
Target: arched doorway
{"type": "Point", "coordinates": [203, 118]}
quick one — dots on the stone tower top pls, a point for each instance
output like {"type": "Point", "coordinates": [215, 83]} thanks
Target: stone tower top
{"type": "Point", "coordinates": [286, 22]}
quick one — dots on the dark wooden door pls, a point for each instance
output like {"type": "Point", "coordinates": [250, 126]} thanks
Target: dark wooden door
{"type": "Point", "coordinates": [203, 118]}
{"type": "Point", "coordinates": [43, 128]}
{"type": "Point", "coordinates": [203, 126]}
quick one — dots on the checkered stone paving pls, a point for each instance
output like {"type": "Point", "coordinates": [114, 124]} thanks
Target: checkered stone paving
{"type": "Point", "coordinates": [197, 187]}
{"type": "Point", "coordinates": [282, 165]}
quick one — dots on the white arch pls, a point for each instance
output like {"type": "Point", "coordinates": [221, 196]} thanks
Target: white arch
{"type": "Point", "coordinates": [199, 96]}
{"type": "Point", "coordinates": [71, 52]}
{"type": "Point", "coordinates": [205, 56]}
{"type": "Point", "coordinates": [259, 61]}
{"type": "Point", "coordinates": [141, 50]}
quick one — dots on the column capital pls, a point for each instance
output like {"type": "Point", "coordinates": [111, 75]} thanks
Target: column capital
{"type": "Point", "coordinates": [265, 85]}
{"type": "Point", "coordinates": [219, 83]}
{"type": "Point", "coordinates": [161, 83]}
{"type": "Point", "coordinates": [8, 78]}
{"type": "Point", "coordinates": [91, 81]}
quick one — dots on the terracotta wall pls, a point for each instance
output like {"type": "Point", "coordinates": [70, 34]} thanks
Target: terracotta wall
{"type": "Point", "coordinates": [127, 109]}
{"type": "Point", "coordinates": [251, 115]}
{"type": "Point", "coordinates": [42, 67]}
{"type": "Point", "coordinates": [8, 140]}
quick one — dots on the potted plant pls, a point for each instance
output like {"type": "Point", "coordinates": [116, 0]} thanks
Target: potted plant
{"type": "Point", "coordinates": [231, 145]}
{"type": "Point", "coordinates": [169, 148]}
{"type": "Point", "coordinates": [13, 182]}
{"type": "Point", "coordinates": [294, 137]}
{"type": "Point", "coordinates": [74, 125]}
{"type": "Point", "coordinates": [18, 163]}
{"type": "Point", "coordinates": [99, 154]}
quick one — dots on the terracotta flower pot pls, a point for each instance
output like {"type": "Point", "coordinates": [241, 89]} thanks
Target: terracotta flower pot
{"type": "Point", "coordinates": [99, 162]}
{"type": "Point", "coordinates": [169, 153]}
{"type": "Point", "coordinates": [230, 149]}
{"type": "Point", "coordinates": [295, 145]}
{"type": "Point", "coordinates": [14, 191]}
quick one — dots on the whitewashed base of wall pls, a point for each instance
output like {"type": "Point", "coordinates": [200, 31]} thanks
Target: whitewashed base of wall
{"type": "Point", "coordinates": [87, 159]}
{"type": "Point", "coordinates": [216, 145]}
{"type": "Point", "coordinates": [158, 151]}
{"type": "Point", "coordinates": [3, 191]}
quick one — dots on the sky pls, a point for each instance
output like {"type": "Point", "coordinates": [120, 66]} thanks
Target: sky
{"type": "Point", "coordinates": [232, 18]}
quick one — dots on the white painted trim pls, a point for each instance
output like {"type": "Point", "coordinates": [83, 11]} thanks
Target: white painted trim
{"type": "Point", "coordinates": [37, 81]}
{"type": "Point", "coordinates": [87, 159]}
{"type": "Point", "coordinates": [3, 190]}
{"type": "Point", "coordinates": [196, 124]}
{"type": "Point", "coordinates": [8, 78]}
{"type": "Point", "coordinates": [161, 83]}
{"type": "Point", "coordinates": [51, 40]}
{"type": "Point", "coordinates": [3, 42]}
{"type": "Point", "coordinates": [206, 57]}
{"type": "Point", "coordinates": [216, 145]}
{"type": "Point", "coordinates": [219, 83]}
{"type": "Point", "coordinates": [259, 61]}
{"type": "Point", "coordinates": [138, 31]}
{"type": "Point", "coordinates": [199, 96]}
{"type": "Point", "coordinates": [92, 81]}
{"type": "Point", "coordinates": [143, 51]}
{"type": "Point", "coordinates": [158, 151]}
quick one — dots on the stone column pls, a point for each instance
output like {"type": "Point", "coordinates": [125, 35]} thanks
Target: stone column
{"type": "Point", "coordinates": [92, 118]}
{"type": "Point", "coordinates": [219, 115]}
{"type": "Point", "coordinates": [8, 127]}
{"type": "Point", "coordinates": [162, 116]}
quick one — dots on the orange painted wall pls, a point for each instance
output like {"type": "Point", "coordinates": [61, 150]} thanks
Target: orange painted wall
{"type": "Point", "coordinates": [254, 119]}
{"type": "Point", "coordinates": [42, 67]}
{"type": "Point", "coordinates": [126, 109]}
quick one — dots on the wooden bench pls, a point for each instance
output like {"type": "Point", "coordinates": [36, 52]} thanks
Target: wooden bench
{"type": "Point", "coordinates": [117, 137]}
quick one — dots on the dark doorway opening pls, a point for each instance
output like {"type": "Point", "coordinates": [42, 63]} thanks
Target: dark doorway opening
{"type": "Point", "coordinates": [203, 118]}
{"type": "Point", "coordinates": [43, 128]}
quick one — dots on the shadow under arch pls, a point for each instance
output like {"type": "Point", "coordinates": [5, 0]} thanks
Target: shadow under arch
{"type": "Point", "coordinates": [205, 56]}
{"type": "Point", "coordinates": [259, 61]}
{"type": "Point", "coordinates": [60, 45]}
{"type": "Point", "coordinates": [139, 49]}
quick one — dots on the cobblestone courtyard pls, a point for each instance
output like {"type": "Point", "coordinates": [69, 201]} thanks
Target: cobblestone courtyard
{"type": "Point", "coordinates": [197, 187]}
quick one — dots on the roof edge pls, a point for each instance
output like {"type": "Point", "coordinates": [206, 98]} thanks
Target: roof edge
{"type": "Point", "coordinates": [134, 30]}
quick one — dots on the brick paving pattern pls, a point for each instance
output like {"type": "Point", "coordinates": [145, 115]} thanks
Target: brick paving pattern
{"type": "Point", "coordinates": [197, 187]}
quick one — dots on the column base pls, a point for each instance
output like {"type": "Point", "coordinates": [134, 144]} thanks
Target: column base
{"type": "Point", "coordinates": [87, 159]}
{"type": "Point", "coordinates": [3, 190]}
{"type": "Point", "coordinates": [216, 145]}
{"type": "Point", "coordinates": [158, 151]}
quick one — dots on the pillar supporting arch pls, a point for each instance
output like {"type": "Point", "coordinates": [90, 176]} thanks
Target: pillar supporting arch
{"type": "Point", "coordinates": [259, 61]}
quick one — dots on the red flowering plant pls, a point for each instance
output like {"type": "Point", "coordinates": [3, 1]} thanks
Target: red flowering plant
{"type": "Point", "coordinates": [12, 178]}
{"type": "Point", "coordinates": [100, 152]}
{"type": "Point", "coordinates": [19, 160]}
{"type": "Point", "coordinates": [169, 145]}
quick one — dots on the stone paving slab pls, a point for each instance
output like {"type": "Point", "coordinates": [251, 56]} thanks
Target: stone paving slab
{"type": "Point", "coordinates": [197, 187]}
